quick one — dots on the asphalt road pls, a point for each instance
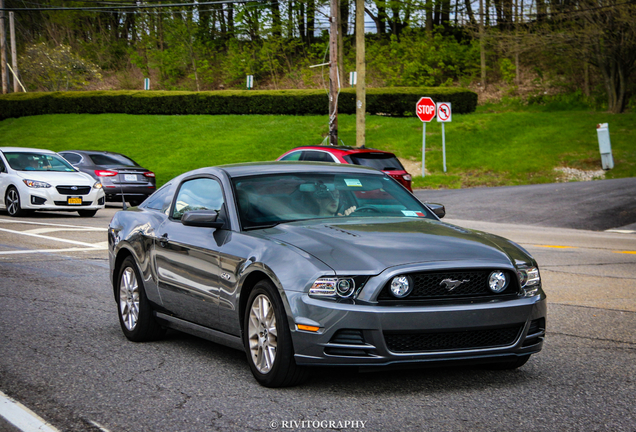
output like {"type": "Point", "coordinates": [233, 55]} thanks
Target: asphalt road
{"type": "Point", "coordinates": [63, 355]}
{"type": "Point", "coordinates": [596, 205]}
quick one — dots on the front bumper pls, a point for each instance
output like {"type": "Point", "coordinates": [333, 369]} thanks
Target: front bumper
{"type": "Point", "coordinates": [51, 200]}
{"type": "Point", "coordinates": [371, 335]}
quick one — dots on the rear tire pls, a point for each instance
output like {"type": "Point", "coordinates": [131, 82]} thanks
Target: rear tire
{"type": "Point", "coordinates": [136, 318]}
{"type": "Point", "coordinates": [267, 340]}
{"type": "Point", "coordinates": [12, 203]}
{"type": "Point", "coordinates": [87, 213]}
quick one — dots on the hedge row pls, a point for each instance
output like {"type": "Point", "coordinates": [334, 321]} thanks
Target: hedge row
{"type": "Point", "coordinates": [397, 101]}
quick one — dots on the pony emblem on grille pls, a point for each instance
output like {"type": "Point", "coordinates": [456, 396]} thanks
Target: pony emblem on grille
{"type": "Point", "coordinates": [452, 284]}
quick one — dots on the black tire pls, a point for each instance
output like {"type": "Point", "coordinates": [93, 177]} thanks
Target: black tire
{"type": "Point", "coordinates": [513, 363]}
{"type": "Point", "coordinates": [87, 213]}
{"type": "Point", "coordinates": [135, 314]}
{"type": "Point", "coordinates": [282, 370]}
{"type": "Point", "coordinates": [12, 203]}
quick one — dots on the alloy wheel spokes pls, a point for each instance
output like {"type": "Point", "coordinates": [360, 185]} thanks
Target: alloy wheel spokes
{"type": "Point", "coordinates": [129, 298]}
{"type": "Point", "coordinates": [262, 334]}
{"type": "Point", "coordinates": [13, 201]}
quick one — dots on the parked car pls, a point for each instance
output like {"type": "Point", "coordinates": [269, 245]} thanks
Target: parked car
{"type": "Point", "coordinates": [120, 175]}
{"type": "Point", "coordinates": [379, 159]}
{"type": "Point", "coordinates": [258, 257]}
{"type": "Point", "coordinates": [36, 179]}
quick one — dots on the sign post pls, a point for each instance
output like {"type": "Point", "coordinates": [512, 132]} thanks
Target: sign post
{"type": "Point", "coordinates": [444, 115]}
{"type": "Point", "coordinates": [425, 110]}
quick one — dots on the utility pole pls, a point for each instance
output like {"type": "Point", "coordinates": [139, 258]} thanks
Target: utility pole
{"type": "Point", "coordinates": [334, 79]}
{"type": "Point", "coordinates": [361, 88]}
{"type": "Point", "coordinates": [14, 57]}
{"type": "Point", "coordinates": [482, 49]}
{"type": "Point", "coordinates": [3, 49]}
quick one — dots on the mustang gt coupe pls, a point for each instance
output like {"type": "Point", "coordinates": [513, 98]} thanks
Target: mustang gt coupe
{"type": "Point", "coordinates": [303, 264]}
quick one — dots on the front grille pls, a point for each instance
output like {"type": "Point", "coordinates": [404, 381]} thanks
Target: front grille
{"type": "Point", "coordinates": [65, 204]}
{"type": "Point", "coordinates": [429, 285]}
{"type": "Point", "coordinates": [447, 341]}
{"type": "Point", "coordinates": [79, 190]}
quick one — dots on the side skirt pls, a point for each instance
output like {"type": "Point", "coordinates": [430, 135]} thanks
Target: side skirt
{"type": "Point", "coordinates": [200, 331]}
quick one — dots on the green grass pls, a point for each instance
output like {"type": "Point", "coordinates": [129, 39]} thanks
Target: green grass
{"type": "Point", "coordinates": [486, 148]}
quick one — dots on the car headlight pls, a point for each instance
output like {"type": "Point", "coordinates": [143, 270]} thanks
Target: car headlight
{"type": "Point", "coordinates": [343, 287]}
{"type": "Point", "coordinates": [36, 184]}
{"type": "Point", "coordinates": [97, 185]}
{"type": "Point", "coordinates": [529, 280]}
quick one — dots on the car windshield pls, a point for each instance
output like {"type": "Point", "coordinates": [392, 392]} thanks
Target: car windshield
{"type": "Point", "coordinates": [29, 161]}
{"type": "Point", "coordinates": [268, 200]}
{"type": "Point", "coordinates": [381, 161]}
{"type": "Point", "coordinates": [112, 160]}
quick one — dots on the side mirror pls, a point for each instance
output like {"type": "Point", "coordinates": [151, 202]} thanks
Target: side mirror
{"type": "Point", "coordinates": [202, 218]}
{"type": "Point", "coordinates": [438, 209]}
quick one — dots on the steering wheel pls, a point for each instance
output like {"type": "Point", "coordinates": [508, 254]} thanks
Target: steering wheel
{"type": "Point", "coordinates": [367, 209]}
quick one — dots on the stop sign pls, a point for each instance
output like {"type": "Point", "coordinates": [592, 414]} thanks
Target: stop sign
{"type": "Point", "coordinates": [425, 109]}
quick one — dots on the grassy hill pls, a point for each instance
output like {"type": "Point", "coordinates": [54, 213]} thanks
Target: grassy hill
{"type": "Point", "coordinates": [487, 148]}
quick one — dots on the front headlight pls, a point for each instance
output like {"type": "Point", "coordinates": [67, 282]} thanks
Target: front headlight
{"type": "Point", "coordinates": [36, 184]}
{"type": "Point", "coordinates": [97, 185]}
{"type": "Point", "coordinates": [529, 280]}
{"type": "Point", "coordinates": [343, 287]}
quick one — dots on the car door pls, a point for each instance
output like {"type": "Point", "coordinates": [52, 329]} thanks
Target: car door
{"type": "Point", "coordinates": [187, 258]}
{"type": "Point", "coordinates": [4, 180]}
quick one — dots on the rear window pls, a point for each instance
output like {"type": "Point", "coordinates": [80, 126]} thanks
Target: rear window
{"type": "Point", "coordinates": [112, 160]}
{"type": "Point", "coordinates": [381, 161]}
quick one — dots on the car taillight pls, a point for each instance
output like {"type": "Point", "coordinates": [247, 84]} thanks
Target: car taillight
{"type": "Point", "coordinates": [407, 177]}
{"type": "Point", "coordinates": [105, 173]}
{"type": "Point", "coordinates": [149, 174]}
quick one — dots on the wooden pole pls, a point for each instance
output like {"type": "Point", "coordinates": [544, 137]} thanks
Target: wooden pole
{"type": "Point", "coordinates": [3, 50]}
{"type": "Point", "coordinates": [14, 57]}
{"type": "Point", "coordinates": [334, 80]}
{"type": "Point", "coordinates": [361, 88]}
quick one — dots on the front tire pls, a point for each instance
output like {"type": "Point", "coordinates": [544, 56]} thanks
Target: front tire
{"type": "Point", "coordinates": [12, 203]}
{"type": "Point", "coordinates": [135, 313]}
{"type": "Point", "coordinates": [267, 339]}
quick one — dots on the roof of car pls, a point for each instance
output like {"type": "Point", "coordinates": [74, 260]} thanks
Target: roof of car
{"type": "Point", "coordinates": [252, 168]}
{"type": "Point", "coordinates": [90, 152]}
{"type": "Point", "coordinates": [25, 149]}
{"type": "Point", "coordinates": [343, 149]}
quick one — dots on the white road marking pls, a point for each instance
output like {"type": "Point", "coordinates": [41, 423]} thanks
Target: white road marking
{"type": "Point", "coordinates": [48, 237]}
{"type": "Point", "coordinates": [22, 417]}
{"type": "Point", "coordinates": [47, 230]}
{"type": "Point", "coordinates": [19, 221]}
{"type": "Point", "coordinates": [31, 251]}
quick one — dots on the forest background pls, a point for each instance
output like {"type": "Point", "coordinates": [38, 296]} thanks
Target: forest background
{"type": "Point", "coordinates": [580, 51]}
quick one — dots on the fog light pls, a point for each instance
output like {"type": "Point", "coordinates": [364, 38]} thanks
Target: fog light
{"type": "Point", "coordinates": [498, 281]}
{"type": "Point", "coordinates": [400, 286]}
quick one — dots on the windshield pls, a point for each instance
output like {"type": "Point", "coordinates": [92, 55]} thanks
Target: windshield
{"type": "Point", "coordinates": [112, 160]}
{"type": "Point", "coordinates": [381, 161]}
{"type": "Point", "coordinates": [268, 200]}
{"type": "Point", "coordinates": [29, 161]}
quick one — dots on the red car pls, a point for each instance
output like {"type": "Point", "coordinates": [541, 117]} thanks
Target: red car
{"type": "Point", "coordinates": [379, 159]}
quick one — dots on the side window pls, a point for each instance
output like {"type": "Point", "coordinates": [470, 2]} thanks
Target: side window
{"type": "Point", "coordinates": [198, 194]}
{"type": "Point", "coordinates": [317, 156]}
{"type": "Point", "coordinates": [292, 156]}
{"type": "Point", "coordinates": [160, 200]}
{"type": "Point", "coordinates": [3, 168]}
{"type": "Point", "coordinates": [73, 158]}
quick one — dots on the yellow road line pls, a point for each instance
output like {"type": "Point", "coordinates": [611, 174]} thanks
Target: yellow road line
{"type": "Point", "coordinates": [556, 246]}
{"type": "Point", "coordinates": [625, 252]}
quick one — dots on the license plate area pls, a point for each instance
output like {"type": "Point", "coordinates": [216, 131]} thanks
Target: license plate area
{"type": "Point", "coordinates": [74, 200]}
{"type": "Point", "coordinates": [130, 177]}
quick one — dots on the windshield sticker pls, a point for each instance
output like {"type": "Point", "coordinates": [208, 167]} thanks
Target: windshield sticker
{"type": "Point", "coordinates": [353, 182]}
{"type": "Point", "coordinates": [411, 213]}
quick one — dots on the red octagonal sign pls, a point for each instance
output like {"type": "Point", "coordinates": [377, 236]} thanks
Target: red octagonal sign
{"type": "Point", "coordinates": [425, 109]}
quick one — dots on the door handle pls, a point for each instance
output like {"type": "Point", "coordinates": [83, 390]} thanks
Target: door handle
{"type": "Point", "coordinates": [163, 240]}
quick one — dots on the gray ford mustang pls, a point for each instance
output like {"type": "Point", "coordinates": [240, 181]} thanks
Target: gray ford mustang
{"type": "Point", "coordinates": [302, 264]}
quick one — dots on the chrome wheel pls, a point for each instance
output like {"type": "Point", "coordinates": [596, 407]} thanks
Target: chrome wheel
{"type": "Point", "coordinates": [129, 298]}
{"type": "Point", "coordinates": [262, 334]}
{"type": "Point", "coordinates": [13, 202]}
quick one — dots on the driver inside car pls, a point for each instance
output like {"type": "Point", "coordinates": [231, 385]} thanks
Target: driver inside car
{"type": "Point", "coordinates": [329, 201]}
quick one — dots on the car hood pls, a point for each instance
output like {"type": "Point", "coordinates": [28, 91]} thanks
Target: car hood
{"type": "Point", "coordinates": [58, 178]}
{"type": "Point", "coordinates": [369, 247]}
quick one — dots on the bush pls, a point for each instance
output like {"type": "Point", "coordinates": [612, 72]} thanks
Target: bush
{"type": "Point", "coordinates": [398, 101]}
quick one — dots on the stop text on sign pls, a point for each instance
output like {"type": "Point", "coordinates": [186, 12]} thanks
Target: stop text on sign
{"type": "Point", "coordinates": [425, 109]}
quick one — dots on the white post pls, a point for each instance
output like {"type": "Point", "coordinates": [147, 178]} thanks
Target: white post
{"type": "Point", "coordinates": [423, 148]}
{"type": "Point", "coordinates": [444, 145]}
